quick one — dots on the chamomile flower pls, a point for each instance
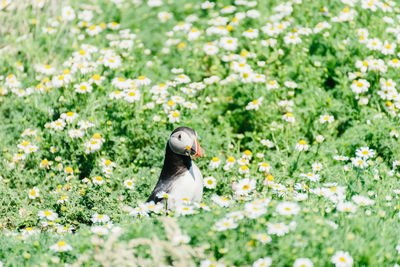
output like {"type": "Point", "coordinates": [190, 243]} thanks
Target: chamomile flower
{"type": "Point", "coordinates": [264, 238]}
{"type": "Point", "coordinates": [264, 167]}
{"type": "Point", "coordinates": [142, 80]}
{"type": "Point", "coordinates": [316, 166]}
{"type": "Point", "coordinates": [365, 152]}
{"type": "Point", "coordinates": [303, 262]}
{"type": "Point", "coordinates": [245, 186]}
{"type": "Point", "coordinates": [214, 163]}
{"type": "Point", "coordinates": [209, 263]}
{"type": "Point", "coordinates": [45, 164]}
{"type": "Point", "coordinates": [279, 229]}
{"type": "Point", "coordinates": [263, 262]}
{"type": "Point", "coordinates": [61, 246]}
{"type": "Point", "coordinates": [342, 259]}
{"type": "Point", "coordinates": [359, 86]}
{"type": "Point", "coordinates": [287, 208]}
{"type": "Point", "coordinates": [210, 182]}
{"type": "Point", "coordinates": [99, 230]}
{"type": "Point", "coordinates": [48, 214]}
{"type": "Point", "coordinates": [100, 218]}
{"type": "Point", "coordinates": [210, 49]}
{"type": "Point", "coordinates": [319, 139]}
{"type": "Point", "coordinates": [228, 43]}
{"type": "Point", "coordinates": [255, 104]}
{"type": "Point", "coordinates": [106, 163]}
{"type": "Point", "coordinates": [254, 210]}
{"type": "Point", "coordinates": [62, 199]}
{"type": "Point", "coordinates": [359, 162]}
{"type": "Point", "coordinates": [181, 239]}
{"type": "Point", "coordinates": [162, 195]}
{"type": "Point", "coordinates": [292, 38]}
{"type": "Point", "coordinates": [221, 201]}
{"type": "Point", "coordinates": [326, 118]}
{"type": "Point", "coordinates": [340, 157]}
{"type": "Point", "coordinates": [348, 207]}
{"type": "Point", "coordinates": [69, 116]}
{"type": "Point", "coordinates": [250, 33]}
{"type": "Point", "coordinates": [289, 117]}
{"type": "Point", "coordinates": [244, 169]}
{"type": "Point", "coordinates": [174, 116]}
{"type": "Point", "coordinates": [247, 155]}
{"type": "Point", "coordinates": [395, 63]}
{"type": "Point", "coordinates": [75, 133]}
{"type": "Point", "coordinates": [18, 157]}
{"type": "Point", "coordinates": [362, 200]}
{"type": "Point", "coordinates": [98, 180]}
{"type": "Point", "coordinates": [33, 193]}
{"type": "Point", "coordinates": [67, 13]}
{"type": "Point", "coordinates": [302, 145]}
{"type": "Point", "coordinates": [311, 176]}
{"type": "Point", "coordinates": [58, 124]}
{"type": "Point", "coordinates": [83, 88]}
{"type": "Point", "coordinates": [129, 183]}
{"type": "Point", "coordinates": [230, 161]}
{"type": "Point", "coordinates": [225, 224]}
{"type": "Point", "coordinates": [185, 210]}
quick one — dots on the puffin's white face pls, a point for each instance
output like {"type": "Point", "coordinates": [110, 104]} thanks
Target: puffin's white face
{"type": "Point", "coordinates": [183, 143]}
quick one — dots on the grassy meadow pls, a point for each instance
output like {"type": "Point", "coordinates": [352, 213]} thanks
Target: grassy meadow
{"type": "Point", "coordinates": [294, 102]}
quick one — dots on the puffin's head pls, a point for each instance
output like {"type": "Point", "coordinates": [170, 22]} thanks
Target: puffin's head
{"type": "Point", "coordinates": [183, 141]}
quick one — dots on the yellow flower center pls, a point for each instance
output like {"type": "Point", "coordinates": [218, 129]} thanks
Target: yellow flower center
{"type": "Point", "coordinates": [96, 136]}
{"type": "Point", "coordinates": [25, 143]}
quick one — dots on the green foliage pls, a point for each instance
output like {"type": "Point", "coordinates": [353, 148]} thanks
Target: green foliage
{"type": "Point", "coordinates": [133, 134]}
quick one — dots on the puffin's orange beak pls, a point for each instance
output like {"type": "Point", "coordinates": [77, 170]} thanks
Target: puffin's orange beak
{"type": "Point", "coordinates": [198, 150]}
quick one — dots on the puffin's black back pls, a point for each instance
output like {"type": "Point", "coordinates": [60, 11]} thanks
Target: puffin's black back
{"type": "Point", "coordinates": [174, 166]}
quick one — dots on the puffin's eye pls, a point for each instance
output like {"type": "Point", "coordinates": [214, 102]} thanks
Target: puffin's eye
{"type": "Point", "coordinates": [179, 137]}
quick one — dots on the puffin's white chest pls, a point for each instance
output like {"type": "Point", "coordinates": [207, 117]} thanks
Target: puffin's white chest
{"type": "Point", "coordinates": [188, 186]}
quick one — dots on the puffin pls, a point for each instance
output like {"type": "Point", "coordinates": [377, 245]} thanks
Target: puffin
{"type": "Point", "coordinates": [180, 178]}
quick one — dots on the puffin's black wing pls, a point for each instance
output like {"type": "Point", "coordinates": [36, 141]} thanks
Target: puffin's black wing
{"type": "Point", "coordinates": [162, 186]}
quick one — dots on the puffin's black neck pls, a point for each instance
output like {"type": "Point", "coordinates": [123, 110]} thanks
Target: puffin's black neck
{"type": "Point", "coordinates": [174, 164]}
